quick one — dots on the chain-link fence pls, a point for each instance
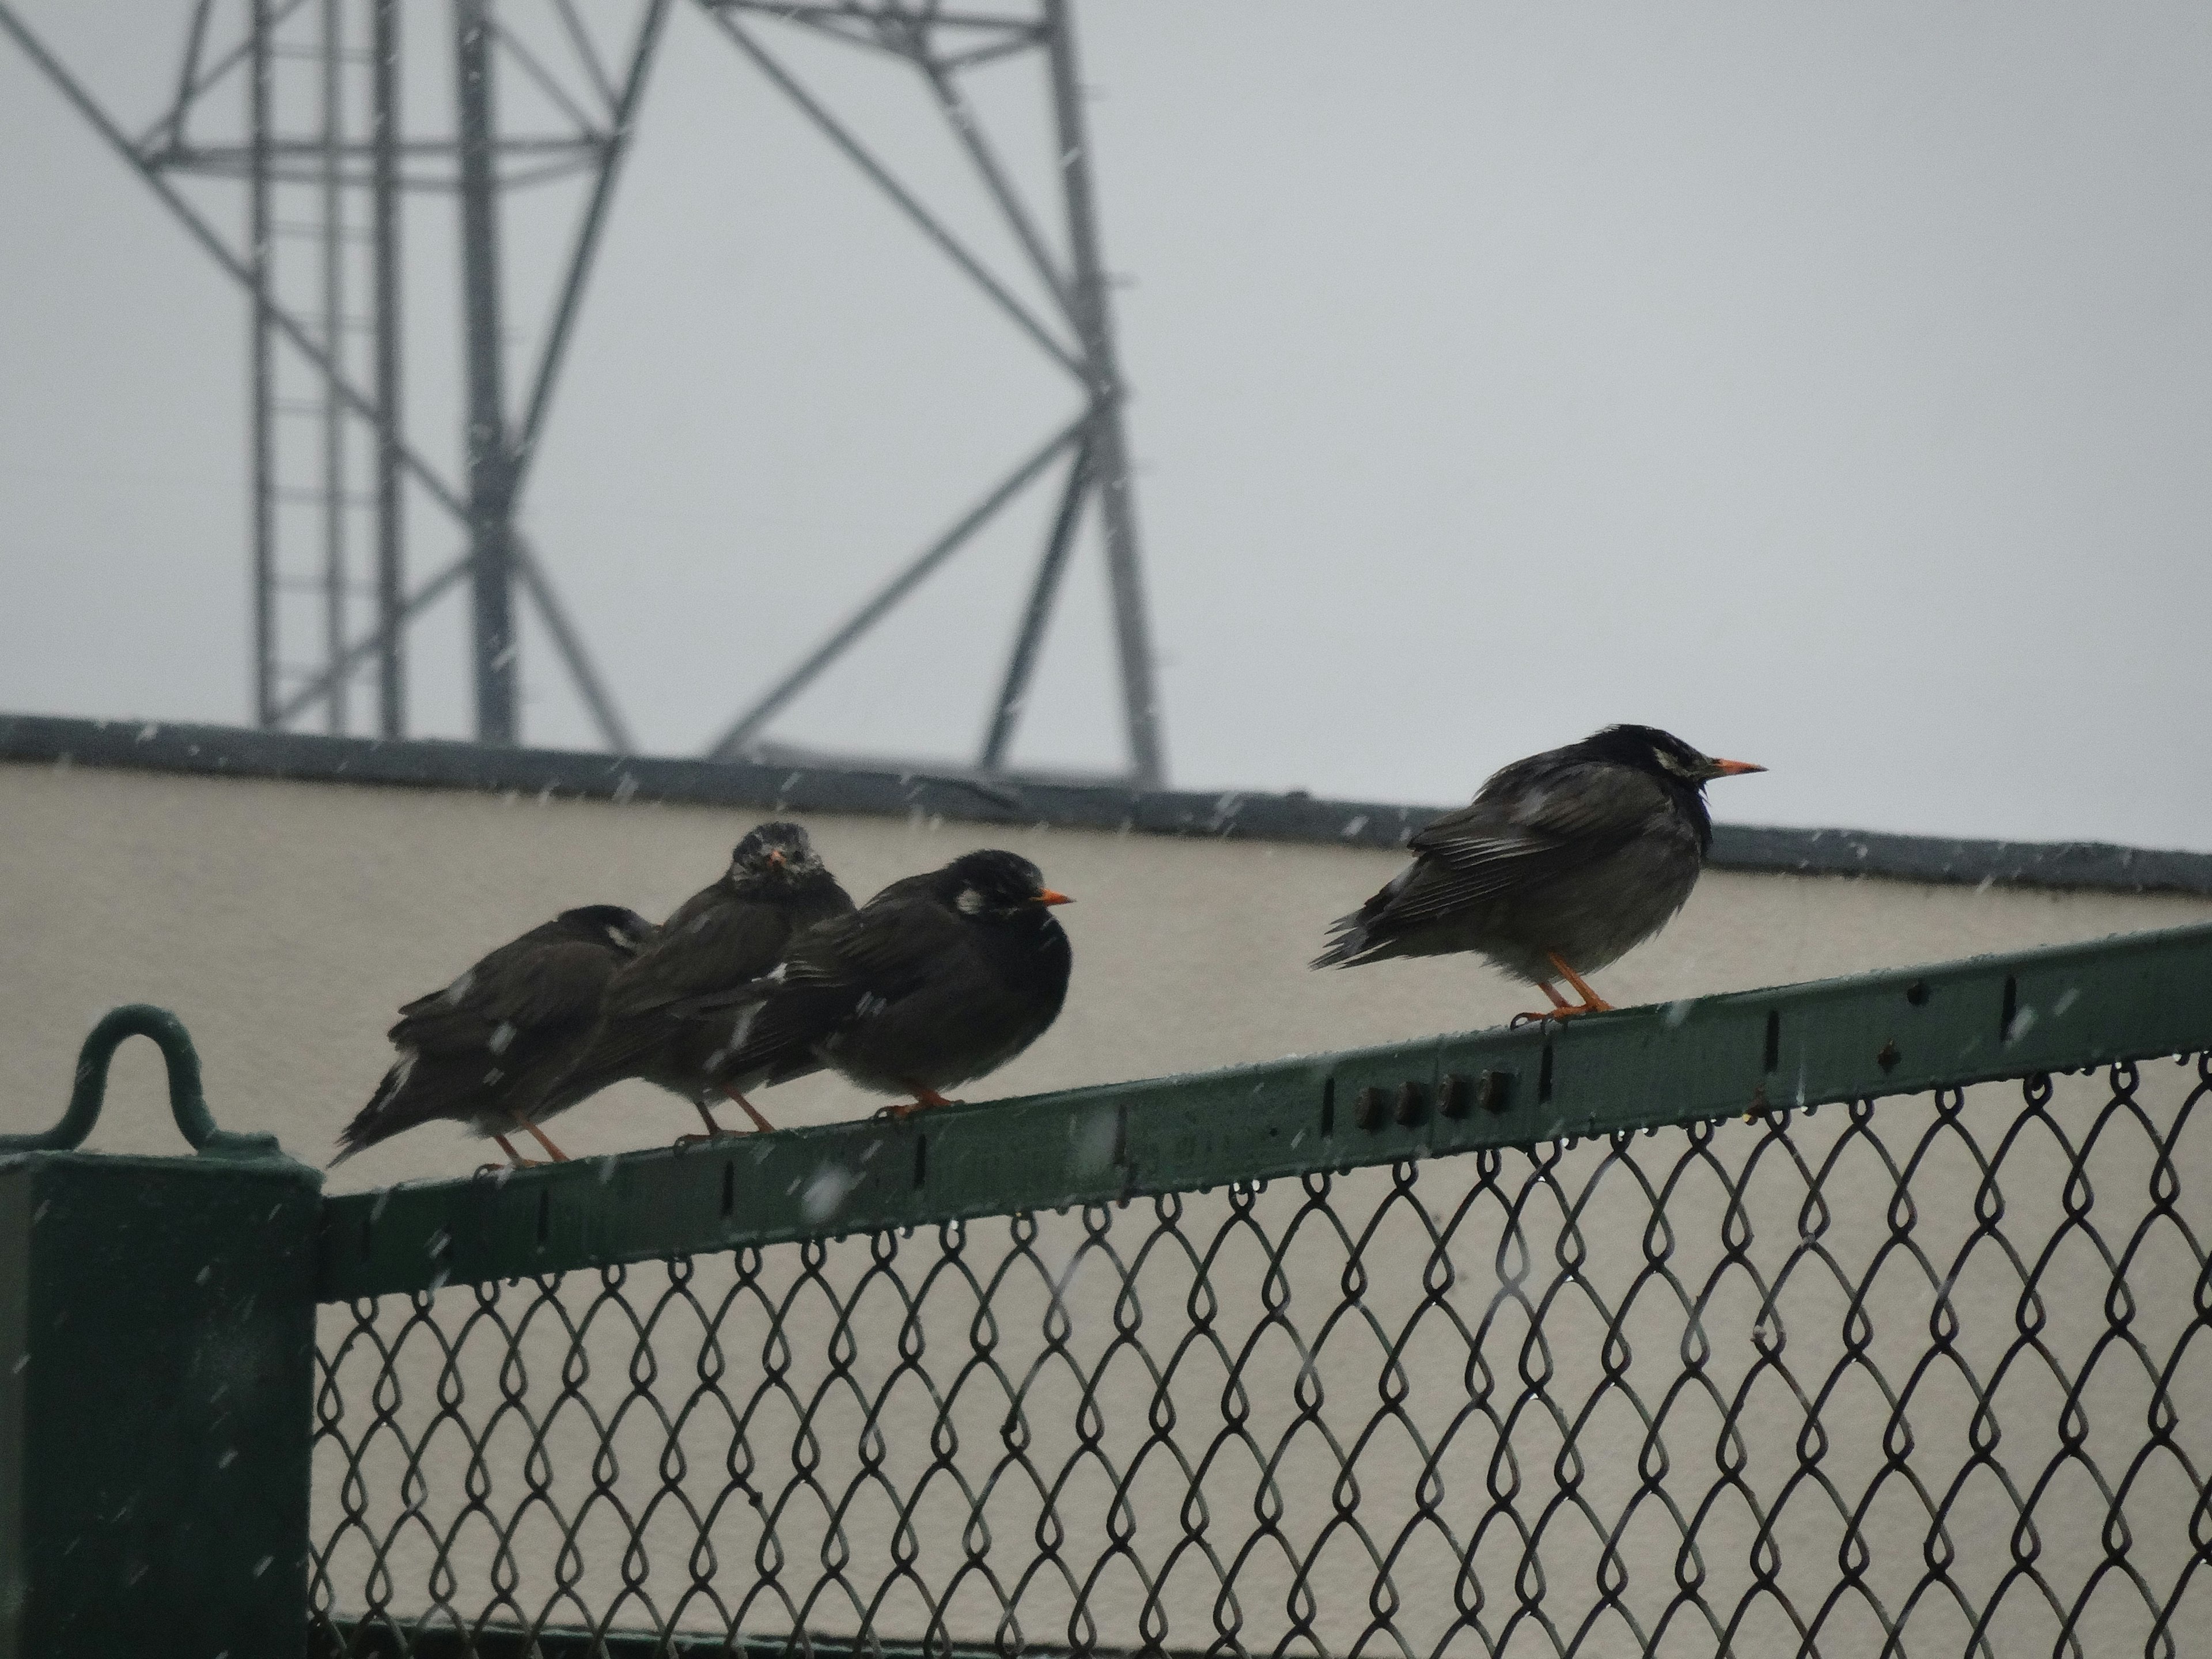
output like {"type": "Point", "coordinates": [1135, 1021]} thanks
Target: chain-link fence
{"type": "Point", "coordinates": [1923, 1376]}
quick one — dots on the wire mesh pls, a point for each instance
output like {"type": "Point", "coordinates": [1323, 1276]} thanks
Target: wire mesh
{"type": "Point", "coordinates": [1920, 1377]}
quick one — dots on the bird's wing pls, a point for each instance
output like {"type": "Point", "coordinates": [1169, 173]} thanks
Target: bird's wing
{"type": "Point", "coordinates": [713, 940]}
{"type": "Point", "coordinates": [1520, 830]}
{"type": "Point", "coordinates": [522, 986]}
{"type": "Point", "coordinates": [883, 950]}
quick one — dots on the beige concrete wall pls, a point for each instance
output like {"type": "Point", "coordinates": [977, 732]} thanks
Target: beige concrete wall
{"type": "Point", "coordinates": [286, 922]}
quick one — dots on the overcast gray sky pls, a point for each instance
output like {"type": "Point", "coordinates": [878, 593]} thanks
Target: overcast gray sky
{"type": "Point", "coordinates": [1831, 385]}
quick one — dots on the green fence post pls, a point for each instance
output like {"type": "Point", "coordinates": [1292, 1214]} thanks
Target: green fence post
{"type": "Point", "coordinates": [157, 1332]}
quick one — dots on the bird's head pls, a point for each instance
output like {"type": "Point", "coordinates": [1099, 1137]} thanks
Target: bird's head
{"type": "Point", "coordinates": [775, 851]}
{"type": "Point", "coordinates": [993, 885]}
{"type": "Point", "coordinates": [609, 924]}
{"type": "Point", "coordinates": [1663, 755]}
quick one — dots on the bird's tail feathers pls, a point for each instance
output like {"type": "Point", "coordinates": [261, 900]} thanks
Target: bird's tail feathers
{"type": "Point", "coordinates": [1347, 941]}
{"type": "Point", "coordinates": [411, 1093]}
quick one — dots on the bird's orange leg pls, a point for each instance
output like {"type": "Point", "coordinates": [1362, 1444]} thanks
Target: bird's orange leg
{"type": "Point", "coordinates": [922, 1099]}
{"type": "Point", "coordinates": [538, 1135]}
{"type": "Point", "coordinates": [514, 1159]}
{"type": "Point", "coordinates": [749, 1109]}
{"type": "Point", "coordinates": [1592, 1002]}
{"type": "Point", "coordinates": [714, 1130]}
{"type": "Point", "coordinates": [1559, 1002]}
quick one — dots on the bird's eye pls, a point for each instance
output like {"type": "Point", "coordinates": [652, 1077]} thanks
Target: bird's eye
{"type": "Point", "coordinates": [970, 902]}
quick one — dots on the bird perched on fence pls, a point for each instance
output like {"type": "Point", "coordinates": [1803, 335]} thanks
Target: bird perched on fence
{"type": "Point", "coordinates": [939, 978]}
{"type": "Point", "coordinates": [719, 939]}
{"type": "Point", "coordinates": [1562, 863]}
{"type": "Point", "coordinates": [483, 1050]}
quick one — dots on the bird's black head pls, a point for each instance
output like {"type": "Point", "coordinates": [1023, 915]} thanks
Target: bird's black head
{"type": "Point", "coordinates": [993, 885]}
{"type": "Point", "coordinates": [609, 924]}
{"type": "Point", "coordinates": [1661, 754]}
{"type": "Point", "coordinates": [777, 852]}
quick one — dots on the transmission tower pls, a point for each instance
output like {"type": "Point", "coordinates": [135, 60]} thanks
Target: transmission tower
{"type": "Point", "coordinates": [300, 105]}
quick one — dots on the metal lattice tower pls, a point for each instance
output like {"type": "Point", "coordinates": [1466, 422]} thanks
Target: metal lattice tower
{"type": "Point", "coordinates": [300, 104]}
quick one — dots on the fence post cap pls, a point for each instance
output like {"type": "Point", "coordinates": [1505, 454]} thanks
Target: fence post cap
{"type": "Point", "coordinates": [187, 1103]}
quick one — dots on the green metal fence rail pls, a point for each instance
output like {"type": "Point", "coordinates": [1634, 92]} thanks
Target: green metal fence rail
{"type": "Point", "coordinates": [1593, 1339]}
{"type": "Point", "coordinates": [1709, 1058]}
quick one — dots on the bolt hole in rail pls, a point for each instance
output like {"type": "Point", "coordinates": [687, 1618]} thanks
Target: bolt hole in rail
{"type": "Point", "coordinates": [1860, 1317]}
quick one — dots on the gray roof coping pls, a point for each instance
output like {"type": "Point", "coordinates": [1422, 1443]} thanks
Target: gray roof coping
{"type": "Point", "coordinates": [1294, 815]}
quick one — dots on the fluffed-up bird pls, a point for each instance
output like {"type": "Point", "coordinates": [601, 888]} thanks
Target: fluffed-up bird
{"type": "Point", "coordinates": [483, 1050]}
{"type": "Point", "coordinates": [936, 981]}
{"type": "Point", "coordinates": [1563, 863]}
{"type": "Point", "coordinates": [719, 939]}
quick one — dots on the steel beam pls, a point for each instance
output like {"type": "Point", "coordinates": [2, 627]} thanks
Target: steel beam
{"type": "Point", "coordinates": [732, 742]}
{"type": "Point", "coordinates": [1079, 294]}
{"type": "Point", "coordinates": [491, 496]}
{"type": "Point", "coordinates": [1094, 324]}
{"type": "Point", "coordinates": [263, 369]}
{"type": "Point", "coordinates": [240, 270]}
{"type": "Point", "coordinates": [586, 246]}
{"type": "Point", "coordinates": [597, 703]}
{"type": "Point", "coordinates": [191, 81]}
{"type": "Point", "coordinates": [1014, 692]}
{"type": "Point", "coordinates": [904, 199]}
{"type": "Point", "coordinates": [361, 651]}
{"type": "Point", "coordinates": [334, 411]}
{"type": "Point", "coordinates": [962, 118]}
{"type": "Point", "coordinates": [391, 507]}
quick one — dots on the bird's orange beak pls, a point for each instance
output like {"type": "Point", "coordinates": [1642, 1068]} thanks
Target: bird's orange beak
{"type": "Point", "coordinates": [1735, 768]}
{"type": "Point", "coordinates": [775, 854]}
{"type": "Point", "coordinates": [1049, 897]}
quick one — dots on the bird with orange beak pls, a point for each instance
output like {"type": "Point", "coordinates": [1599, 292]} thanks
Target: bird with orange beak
{"type": "Point", "coordinates": [940, 978]}
{"type": "Point", "coordinates": [1562, 864]}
